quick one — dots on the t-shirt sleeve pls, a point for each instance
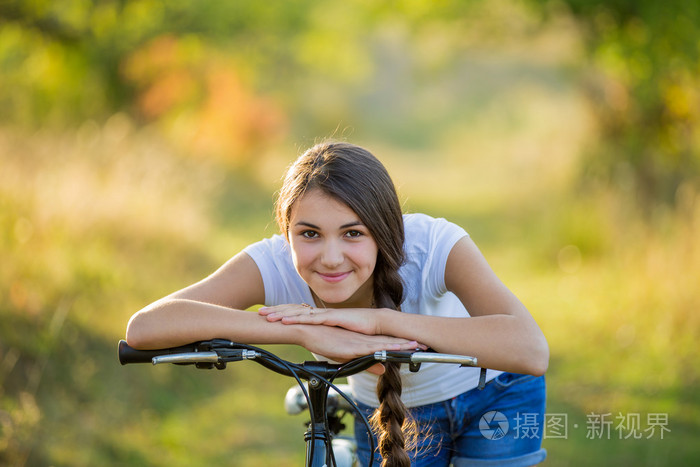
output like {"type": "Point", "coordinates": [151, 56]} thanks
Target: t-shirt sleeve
{"type": "Point", "coordinates": [281, 281]}
{"type": "Point", "coordinates": [442, 236]}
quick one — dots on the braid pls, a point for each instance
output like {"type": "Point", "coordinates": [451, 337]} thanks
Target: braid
{"type": "Point", "coordinates": [391, 420]}
{"type": "Point", "coordinates": [355, 177]}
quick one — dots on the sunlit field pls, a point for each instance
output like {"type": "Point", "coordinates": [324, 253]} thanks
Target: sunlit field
{"type": "Point", "coordinates": [101, 217]}
{"type": "Point", "coordinates": [100, 221]}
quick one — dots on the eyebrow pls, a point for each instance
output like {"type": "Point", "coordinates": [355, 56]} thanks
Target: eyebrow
{"type": "Point", "coordinates": [344, 226]}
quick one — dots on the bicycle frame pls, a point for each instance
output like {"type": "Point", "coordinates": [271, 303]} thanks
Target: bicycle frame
{"type": "Point", "coordinates": [344, 447]}
{"type": "Point", "coordinates": [319, 374]}
{"type": "Point", "coordinates": [319, 450]}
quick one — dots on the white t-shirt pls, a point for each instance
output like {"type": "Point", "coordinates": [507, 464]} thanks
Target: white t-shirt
{"type": "Point", "coordinates": [427, 246]}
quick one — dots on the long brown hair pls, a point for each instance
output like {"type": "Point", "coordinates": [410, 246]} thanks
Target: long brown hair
{"type": "Point", "coordinates": [352, 175]}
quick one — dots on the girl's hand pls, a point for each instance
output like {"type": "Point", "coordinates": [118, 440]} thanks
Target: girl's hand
{"type": "Point", "coordinates": [341, 345]}
{"type": "Point", "coordinates": [362, 320]}
{"type": "Point", "coordinates": [339, 334]}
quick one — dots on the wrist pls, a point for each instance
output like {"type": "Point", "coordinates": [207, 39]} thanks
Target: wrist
{"type": "Point", "coordinates": [299, 334]}
{"type": "Point", "coordinates": [382, 321]}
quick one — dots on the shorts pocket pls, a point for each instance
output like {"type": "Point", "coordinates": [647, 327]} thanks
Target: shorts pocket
{"type": "Point", "coordinates": [506, 380]}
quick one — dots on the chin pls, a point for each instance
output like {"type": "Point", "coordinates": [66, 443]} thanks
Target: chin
{"type": "Point", "coordinates": [334, 298]}
{"type": "Point", "coordinates": [331, 299]}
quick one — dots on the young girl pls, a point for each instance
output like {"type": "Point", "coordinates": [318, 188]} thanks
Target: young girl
{"type": "Point", "coordinates": [350, 275]}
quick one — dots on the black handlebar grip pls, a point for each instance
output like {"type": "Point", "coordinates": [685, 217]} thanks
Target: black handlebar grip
{"type": "Point", "coordinates": [128, 354]}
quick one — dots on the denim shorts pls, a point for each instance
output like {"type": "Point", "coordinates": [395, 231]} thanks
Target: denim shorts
{"type": "Point", "coordinates": [499, 425]}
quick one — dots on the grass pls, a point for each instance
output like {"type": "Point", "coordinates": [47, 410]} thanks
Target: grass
{"type": "Point", "coordinates": [98, 222]}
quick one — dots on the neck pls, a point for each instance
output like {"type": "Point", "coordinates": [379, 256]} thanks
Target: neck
{"type": "Point", "coordinates": [352, 302]}
{"type": "Point", "coordinates": [317, 300]}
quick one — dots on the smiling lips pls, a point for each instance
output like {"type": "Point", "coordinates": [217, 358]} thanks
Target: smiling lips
{"type": "Point", "coordinates": [334, 277]}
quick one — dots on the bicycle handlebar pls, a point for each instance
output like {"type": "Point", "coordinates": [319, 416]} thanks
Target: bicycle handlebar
{"type": "Point", "coordinates": [128, 354]}
{"type": "Point", "coordinates": [216, 353]}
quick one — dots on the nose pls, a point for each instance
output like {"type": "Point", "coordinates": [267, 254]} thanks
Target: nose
{"type": "Point", "coordinates": [332, 255]}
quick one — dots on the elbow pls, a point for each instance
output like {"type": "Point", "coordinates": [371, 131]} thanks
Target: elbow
{"type": "Point", "coordinates": [539, 361]}
{"type": "Point", "coordinates": [532, 357]}
{"type": "Point", "coordinates": [159, 325]}
{"type": "Point", "coordinates": [135, 335]}
{"type": "Point", "coordinates": [145, 327]}
{"type": "Point", "coordinates": [540, 368]}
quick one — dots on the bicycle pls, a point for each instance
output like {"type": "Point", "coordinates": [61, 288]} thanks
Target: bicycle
{"type": "Point", "coordinates": [326, 408]}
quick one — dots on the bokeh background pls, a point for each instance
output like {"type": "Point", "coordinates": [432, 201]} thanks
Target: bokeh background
{"type": "Point", "coordinates": [142, 141]}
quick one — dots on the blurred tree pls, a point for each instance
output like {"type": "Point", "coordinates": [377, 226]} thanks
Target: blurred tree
{"type": "Point", "coordinates": [67, 61]}
{"type": "Point", "coordinates": [63, 59]}
{"type": "Point", "coordinates": [199, 99]}
{"type": "Point", "coordinates": [221, 76]}
{"type": "Point", "coordinates": [644, 88]}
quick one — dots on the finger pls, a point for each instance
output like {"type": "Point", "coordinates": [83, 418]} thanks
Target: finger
{"type": "Point", "coordinates": [272, 310]}
{"type": "Point", "coordinates": [406, 345]}
{"type": "Point", "coordinates": [278, 312]}
{"type": "Point", "coordinates": [304, 319]}
{"type": "Point", "coordinates": [377, 369]}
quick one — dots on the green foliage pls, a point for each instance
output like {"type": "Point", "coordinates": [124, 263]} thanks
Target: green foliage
{"type": "Point", "coordinates": [61, 61]}
{"type": "Point", "coordinates": [90, 231]}
{"type": "Point", "coordinates": [272, 66]}
{"type": "Point", "coordinates": [269, 64]}
{"type": "Point", "coordinates": [142, 142]}
{"type": "Point", "coordinates": [643, 88]}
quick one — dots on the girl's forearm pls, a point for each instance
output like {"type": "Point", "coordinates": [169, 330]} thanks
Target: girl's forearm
{"type": "Point", "coordinates": [499, 341]}
{"type": "Point", "coordinates": [173, 322]}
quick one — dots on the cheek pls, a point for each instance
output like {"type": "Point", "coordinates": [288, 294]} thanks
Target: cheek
{"type": "Point", "coordinates": [302, 256]}
{"type": "Point", "coordinates": [367, 257]}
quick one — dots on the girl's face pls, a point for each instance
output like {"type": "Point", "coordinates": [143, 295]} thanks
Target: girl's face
{"type": "Point", "coordinates": [332, 250]}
